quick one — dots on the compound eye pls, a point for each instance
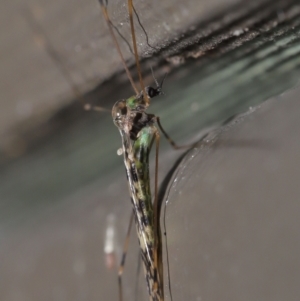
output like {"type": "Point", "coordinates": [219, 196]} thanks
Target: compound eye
{"type": "Point", "coordinates": [152, 92]}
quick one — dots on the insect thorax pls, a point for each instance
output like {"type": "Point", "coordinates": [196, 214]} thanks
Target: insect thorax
{"type": "Point", "coordinates": [129, 114]}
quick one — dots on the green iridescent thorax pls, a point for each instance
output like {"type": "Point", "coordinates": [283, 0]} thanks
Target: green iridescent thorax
{"type": "Point", "coordinates": [136, 102]}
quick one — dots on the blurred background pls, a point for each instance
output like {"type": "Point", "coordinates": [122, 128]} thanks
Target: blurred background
{"type": "Point", "coordinates": [232, 214]}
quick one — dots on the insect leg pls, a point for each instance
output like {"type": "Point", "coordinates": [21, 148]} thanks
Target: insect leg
{"type": "Point", "coordinates": [103, 5]}
{"type": "Point", "coordinates": [171, 141]}
{"type": "Point", "coordinates": [122, 264]}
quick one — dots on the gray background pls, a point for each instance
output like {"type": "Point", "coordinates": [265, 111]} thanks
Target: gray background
{"type": "Point", "coordinates": [232, 214]}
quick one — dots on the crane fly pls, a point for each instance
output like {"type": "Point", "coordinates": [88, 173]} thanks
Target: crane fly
{"type": "Point", "coordinates": [138, 133]}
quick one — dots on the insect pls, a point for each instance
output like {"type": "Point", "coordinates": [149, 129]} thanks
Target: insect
{"type": "Point", "coordinates": [138, 133]}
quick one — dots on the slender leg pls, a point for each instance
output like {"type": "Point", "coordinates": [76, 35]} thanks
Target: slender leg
{"type": "Point", "coordinates": [171, 141]}
{"type": "Point", "coordinates": [122, 264]}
